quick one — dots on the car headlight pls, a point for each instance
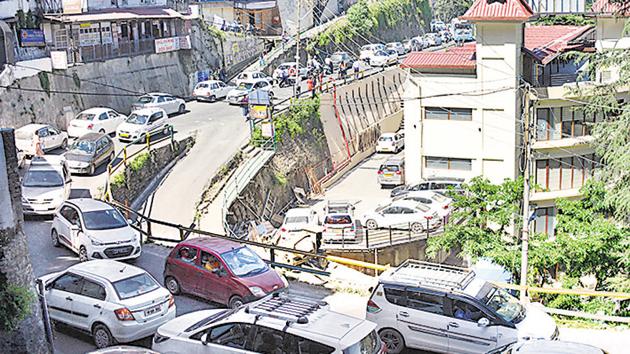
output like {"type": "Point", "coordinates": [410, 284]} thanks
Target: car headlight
{"type": "Point", "coordinates": [256, 291]}
{"type": "Point", "coordinates": [95, 243]}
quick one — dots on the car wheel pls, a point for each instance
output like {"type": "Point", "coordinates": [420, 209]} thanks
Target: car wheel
{"type": "Point", "coordinates": [167, 130]}
{"type": "Point", "coordinates": [172, 285]}
{"type": "Point", "coordinates": [55, 238]}
{"type": "Point", "coordinates": [181, 109]}
{"type": "Point", "coordinates": [83, 256]}
{"type": "Point", "coordinates": [213, 98]}
{"type": "Point", "coordinates": [64, 143]}
{"type": "Point", "coordinates": [235, 302]}
{"type": "Point", "coordinates": [416, 227]}
{"type": "Point", "coordinates": [102, 336]}
{"type": "Point", "coordinates": [92, 170]}
{"type": "Point", "coordinates": [371, 224]}
{"type": "Point", "coordinates": [393, 340]}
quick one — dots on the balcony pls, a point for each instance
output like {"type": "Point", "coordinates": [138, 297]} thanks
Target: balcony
{"type": "Point", "coordinates": [550, 7]}
{"type": "Point", "coordinates": [538, 197]}
{"type": "Point", "coordinates": [563, 143]}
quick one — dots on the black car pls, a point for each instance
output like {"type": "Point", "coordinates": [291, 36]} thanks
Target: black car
{"type": "Point", "coordinates": [88, 152]}
{"type": "Point", "coordinates": [341, 57]}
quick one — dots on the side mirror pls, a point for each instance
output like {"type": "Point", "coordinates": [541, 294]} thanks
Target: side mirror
{"type": "Point", "coordinates": [483, 322]}
{"type": "Point", "coordinates": [204, 338]}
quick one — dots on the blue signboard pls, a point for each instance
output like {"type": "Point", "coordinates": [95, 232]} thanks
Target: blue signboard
{"type": "Point", "coordinates": [32, 38]}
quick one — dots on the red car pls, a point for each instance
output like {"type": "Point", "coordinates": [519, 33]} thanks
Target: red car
{"type": "Point", "coordinates": [220, 270]}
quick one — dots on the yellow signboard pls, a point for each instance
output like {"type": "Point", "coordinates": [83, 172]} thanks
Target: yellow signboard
{"type": "Point", "coordinates": [258, 112]}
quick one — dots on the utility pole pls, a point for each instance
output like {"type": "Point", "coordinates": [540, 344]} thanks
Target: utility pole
{"type": "Point", "coordinates": [526, 188]}
{"type": "Point", "coordinates": [296, 84]}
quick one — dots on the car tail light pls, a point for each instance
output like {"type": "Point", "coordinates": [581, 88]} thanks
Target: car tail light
{"type": "Point", "coordinates": [90, 126]}
{"type": "Point", "coordinates": [372, 307]}
{"type": "Point", "coordinates": [124, 314]}
{"type": "Point", "coordinates": [380, 172]}
{"type": "Point", "coordinates": [398, 172]}
{"type": "Point", "coordinates": [446, 206]}
{"type": "Point", "coordinates": [428, 217]}
{"type": "Point", "coordinates": [171, 301]}
{"type": "Point", "coordinates": [284, 229]}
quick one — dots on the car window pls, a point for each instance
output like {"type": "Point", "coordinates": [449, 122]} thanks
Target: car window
{"type": "Point", "coordinates": [187, 254]}
{"type": "Point", "coordinates": [72, 215]}
{"type": "Point", "coordinates": [145, 99]}
{"type": "Point", "coordinates": [221, 84]}
{"type": "Point", "coordinates": [268, 340]}
{"type": "Point", "coordinates": [113, 114]}
{"type": "Point", "coordinates": [93, 290]}
{"type": "Point", "coordinates": [161, 99]}
{"type": "Point", "coordinates": [465, 311]}
{"type": "Point", "coordinates": [103, 116]}
{"type": "Point", "coordinates": [338, 219]}
{"type": "Point", "coordinates": [69, 282]}
{"type": "Point", "coordinates": [391, 210]}
{"type": "Point", "coordinates": [306, 346]}
{"type": "Point", "coordinates": [104, 219]}
{"type": "Point", "coordinates": [243, 262]}
{"type": "Point", "coordinates": [65, 212]}
{"type": "Point", "coordinates": [210, 261]}
{"type": "Point", "coordinates": [420, 187]}
{"type": "Point", "coordinates": [416, 299]}
{"type": "Point", "coordinates": [42, 132]}
{"type": "Point", "coordinates": [395, 295]}
{"type": "Point", "coordinates": [169, 98]}
{"type": "Point", "coordinates": [232, 335]}
{"type": "Point", "coordinates": [135, 286]}
{"type": "Point", "coordinates": [407, 211]}
{"type": "Point", "coordinates": [155, 117]}
{"type": "Point", "coordinates": [53, 131]}
{"type": "Point", "coordinates": [214, 86]}
{"type": "Point", "coordinates": [43, 178]}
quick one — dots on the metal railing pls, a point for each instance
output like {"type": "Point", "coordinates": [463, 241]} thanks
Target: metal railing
{"type": "Point", "coordinates": [101, 52]}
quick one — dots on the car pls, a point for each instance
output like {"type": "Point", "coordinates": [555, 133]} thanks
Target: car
{"type": "Point", "coordinates": [398, 47]}
{"type": "Point", "coordinates": [339, 223]}
{"type": "Point", "coordinates": [99, 119]}
{"type": "Point", "coordinates": [115, 302]}
{"type": "Point", "coordinates": [390, 142]}
{"type": "Point", "coordinates": [211, 90]}
{"type": "Point", "coordinates": [543, 346]}
{"type": "Point", "coordinates": [94, 230]}
{"type": "Point", "coordinates": [368, 51]}
{"type": "Point", "coordinates": [404, 215]}
{"type": "Point", "coordinates": [291, 67]}
{"type": "Point", "coordinates": [123, 349]}
{"type": "Point", "coordinates": [436, 201]}
{"type": "Point", "coordinates": [168, 103]}
{"type": "Point", "coordinates": [89, 152]}
{"type": "Point", "coordinates": [253, 75]}
{"type": "Point", "coordinates": [220, 270]}
{"type": "Point", "coordinates": [45, 185]}
{"type": "Point", "coordinates": [433, 39]}
{"type": "Point", "coordinates": [448, 309]}
{"type": "Point", "coordinates": [384, 58]}
{"type": "Point", "coordinates": [50, 138]}
{"type": "Point", "coordinates": [142, 123]}
{"type": "Point", "coordinates": [391, 172]}
{"type": "Point", "coordinates": [437, 25]}
{"type": "Point", "coordinates": [277, 324]}
{"type": "Point", "coordinates": [341, 57]}
{"type": "Point", "coordinates": [445, 36]}
{"type": "Point", "coordinates": [443, 185]}
{"type": "Point", "coordinates": [298, 220]}
{"type": "Point", "coordinates": [239, 95]}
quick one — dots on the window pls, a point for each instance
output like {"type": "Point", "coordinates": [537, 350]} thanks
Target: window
{"type": "Point", "coordinates": [465, 311]}
{"type": "Point", "coordinates": [103, 116]}
{"type": "Point", "coordinates": [161, 99]}
{"type": "Point", "coordinates": [562, 173]}
{"type": "Point", "coordinates": [445, 163]}
{"type": "Point", "coordinates": [439, 113]}
{"type": "Point", "coordinates": [562, 122]}
{"type": "Point", "coordinates": [395, 295]}
{"type": "Point", "coordinates": [545, 221]}
{"type": "Point", "coordinates": [232, 335]}
{"type": "Point", "coordinates": [306, 346]}
{"type": "Point", "coordinates": [210, 262]}
{"type": "Point", "coordinates": [93, 290]}
{"type": "Point", "coordinates": [268, 340]}
{"type": "Point", "coordinates": [155, 117]}
{"type": "Point", "coordinates": [112, 114]}
{"type": "Point", "coordinates": [187, 254]}
{"type": "Point", "coordinates": [135, 286]}
{"type": "Point", "coordinates": [420, 187]}
{"type": "Point", "coordinates": [392, 210]}
{"type": "Point", "coordinates": [243, 262]}
{"type": "Point", "coordinates": [71, 215]}
{"type": "Point", "coordinates": [425, 302]}
{"type": "Point", "coordinates": [69, 283]}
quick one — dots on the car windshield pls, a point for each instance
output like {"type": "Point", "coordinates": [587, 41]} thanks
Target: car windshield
{"type": "Point", "coordinates": [145, 99]}
{"type": "Point", "coordinates": [504, 304]}
{"type": "Point", "coordinates": [296, 220]}
{"type": "Point", "coordinates": [245, 86]}
{"type": "Point", "coordinates": [243, 262]}
{"type": "Point", "coordinates": [85, 116]}
{"type": "Point", "coordinates": [42, 179]}
{"type": "Point", "coordinates": [368, 345]}
{"type": "Point", "coordinates": [83, 145]}
{"type": "Point", "coordinates": [389, 168]}
{"type": "Point", "coordinates": [385, 138]}
{"type": "Point", "coordinates": [337, 219]}
{"type": "Point", "coordinates": [135, 286]}
{"type": "Point", "coordinates": [380, 53]}
{"type": "Point", "coordinates": [137, 119]}
{"type": "Point", "coordinates": [103, 219]}
{"type": "Point", "coordinates": [202, 85]}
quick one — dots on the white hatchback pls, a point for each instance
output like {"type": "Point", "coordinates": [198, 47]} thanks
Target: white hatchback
{"type": "Point", "coordinates": [390, 142]}
{"type": "Point", "coordinates": [99, 119]}
{"type": "Point", "coordinates": [211, 90]}
{"type": "Point", "coordinates": [436, 201]}
{"type": "Point", "coordinates": [115, 302]}
{"type": "Point", "coordinates": [50, 138]}
{"type": "Point", "coordinates": [169, 103]}
{"type": "Point", "coordinates": [143, 122]}
{"type": "Point", "coordinates": [402, 214]}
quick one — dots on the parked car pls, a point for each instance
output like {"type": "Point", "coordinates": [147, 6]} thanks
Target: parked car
{"type": "Point", "coordinates": [542, 346]}
{"type": "Point", "coordinates": [211, 90]}
{"type": "Point", "coordinates": [341, 57]}
{"type": "Point", "coordinates": [384, 58]}
{"type": "Point", "coordinates": [123, 349]}
{"type": "Point", "coordinates": [339, 223]}
{"type": "Point", "coordinates": [291, 67]}
{"type": "Point", "coordinates": [168, 103]}
{"type": "Point", "coordinates": [437, 25]}
{"type": "Point", "coordinates": [457, 312]}
{"type": "Point", "coordinates": [445, 36]}
{"type": "Point", "coordinates": [390, 142]}
{"type": "Point", "coordinates": [392, 172]}
{"type": "Point", "coordinates": [46, 184]}
{"type": "Point", "coordinates": [94, 230]}
{"type": "Point", "coordinates": [143, 122]}
{"type": "Point", "coordinates": [436, 201]}
{"type": "Point", "coordinates": [115, 302]}
{"type": "Point", "coordinates": [50, 138]}
{"type": "Point", "coordinates": [99, 119]}
{"type": "Point", "coordinates": [297, 220]}
{"type": "Point", "coordinates": [433, 39]}
{"type": "Point", "coordinates": [442, 185]}
{"type": "Point", "coordinates": [89, 152]}
{"type": "Point", "coordinates": [239, 94]}
{"type": "Point", "coordinates": [220, 270]}
{"type": "Point", "coordinates": [368, 51]}
{"type": "Point", "coordinates": [253, 75]}
{"type": "Point", "coordinates": [402, 214]}
{"type": "Point", "coordinates": [275, 324]}
{"type": "Point", "coordinates": [398, 47]}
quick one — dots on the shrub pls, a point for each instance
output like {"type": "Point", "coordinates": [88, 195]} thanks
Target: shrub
{"type": "Point", "coordinates": [15, 305]}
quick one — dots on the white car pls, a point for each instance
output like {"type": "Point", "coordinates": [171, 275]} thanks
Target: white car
{"type": "Point", "coordinates": [402, 214]}
{"type": "Point", "coordinates": [275, 324]}
{"type": "Point", "coordinates": [253, 75]}
{"type": "Point", "coordinates": [114, 301]}
{"type": "Point", "coordinates": [368, 51]}
{"type": "Point", "coordinates": [384, 58]}
{"type": "Point", "coordinates": [99, 119]}
{"type": "Point", "coordinates": [94, 230]}
{"type": "Point", "coordinates": [239, 94]}
{"type": "Point", "coordinates": [49, 137]}
{"type": "Point", "coordinates": [211, 90]}
{"type": "Point", "coordinates": [143, 122]}
{"type": "Point", "coordinates": [390, 142]}
{"type": "Point", "coordinates": [398, 47]}
{"type": "Point", "coordinates": [436, 201]}
{"type": "Point", "coordinates": [46, 184]}
{"type": "Point", "coordinates": [168, 103]}
{"type": "Point", "coordinates": [297, 220]}
{"type": "Point", "coordinates": [291, 68]}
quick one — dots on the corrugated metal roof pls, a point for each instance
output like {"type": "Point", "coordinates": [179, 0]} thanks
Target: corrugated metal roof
{"type": "Point", "coordinates": [118, 14]}
{"type": "Point", "coordinates": [498, 10]}
{"type": "Point", "coordinates": [605, 7]}
{"type": "Point", "coordinates": [451, 58]}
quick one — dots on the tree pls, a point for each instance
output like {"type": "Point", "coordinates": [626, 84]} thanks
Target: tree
{"type": "Point", "coordinates": [450, 9]}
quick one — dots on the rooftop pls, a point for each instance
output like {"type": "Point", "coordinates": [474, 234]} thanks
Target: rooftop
{"type": "Point", "coordinates": [117, 14]}
{"type": "Point", "coordinates": [498, 10]}
{"type": "Point", "coordinates": [607, 8]}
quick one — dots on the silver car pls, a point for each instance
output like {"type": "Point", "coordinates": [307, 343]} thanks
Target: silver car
{"type": "Point", "coordinates": [392, 172]}
{"type": "Point", "coordinates": [169, 103]}
{"type": "Point", "coordinates": [46, 184]}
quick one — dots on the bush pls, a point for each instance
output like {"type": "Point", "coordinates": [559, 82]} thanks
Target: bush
{"type": "Point", "coordinates": [139, 161]}
{"type": "Point", "coordinates": [15, 305]}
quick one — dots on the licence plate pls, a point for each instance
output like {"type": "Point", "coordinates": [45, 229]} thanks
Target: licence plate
{"type": "Point", "coordinates": [123, 135]}
{"type": "Point", "coordinates": [152, 310]}
{"type": "Point", "coordinates": [389, 174]}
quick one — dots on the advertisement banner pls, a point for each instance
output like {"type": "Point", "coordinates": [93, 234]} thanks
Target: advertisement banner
{"type": "Point", "coordinates": [71, 6]}
{"type": "Point", "coordinates": [164, 45]}
{"type": "Point", "coordinates": [258, 112]}
{"type": "Point", "coordinates": [59, 59]}
{"type": "Point", "coordinates": [266, 128]}
{"type": "Point", "coordinates": [184, 42]}
{"type": "Point", "coordinates": [32, 38]}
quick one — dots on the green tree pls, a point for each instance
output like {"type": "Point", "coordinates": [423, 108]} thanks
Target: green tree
{"type": "Point", "coordinates": [447, 10]}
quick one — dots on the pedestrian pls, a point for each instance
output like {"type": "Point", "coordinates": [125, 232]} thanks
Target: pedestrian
{"type": "Point", "coordinates": [222, 74]}
{"type": "Point", "coordinates": [310, 86]}
{"type": "Point", "coordinates": [37, 143]}
{"type": "Point", "coordinates": [329, 65]}
{"type": "Point", "coordinates": [356, 66]}
{"type": "Point", "coordinates": [261, 61]}
{"type": "Point", "coordinates": [342, 70]}
{"type": "Point", "coordinates": [284, 75]}
{"type": "Point", "coordinates": [321, 81]}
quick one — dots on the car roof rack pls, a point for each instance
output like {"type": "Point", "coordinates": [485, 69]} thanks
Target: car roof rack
{"type": "Point", "coordinates": [339, 206]}
{"type": "Point", "coordinates": [293, 309]}
{"type": "Point", "coordinates": [433, 274]}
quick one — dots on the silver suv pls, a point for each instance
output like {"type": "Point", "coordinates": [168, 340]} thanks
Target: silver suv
{"type": "Point", "coordinates": [392, 172]}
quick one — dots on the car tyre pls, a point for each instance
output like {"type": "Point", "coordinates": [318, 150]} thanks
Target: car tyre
{"type": "Point", "coordinates": [235, 302]}
{"type": "Point", "coordinates": [102, 336]}
{"type": "Point", "coordinates": [55, 238]}
{"type": "Point", "coordinates": [172, 285]}
{"type": "Point", "coordinates": [83, 256]}
{"type": "Point", "coordinates": [393, 340]}
{"type": "Point", "coordinates": [181, 109]}
{"type": "Point", "coordinates": [371, 224]}
{"type": "Point", "coordinates": [91, 170]}
{"type": "Point", "coordinates": [212, 99]}
{"type": "Point", "coordinates": [64, 144]}
{"type": "Point", "coordinates": [416, 228]}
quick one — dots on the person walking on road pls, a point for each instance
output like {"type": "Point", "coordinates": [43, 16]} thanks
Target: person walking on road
{"type": "Point", "coordinates": [284, 75]}
{"type": "Point", "coordinates": [329, 65]}
{"type": "Point", "coordinates": [356, 66]}
{"type": "Point", "coordinates": [342, 70]}
{"type": "Point", "coordinates": [310, 86]}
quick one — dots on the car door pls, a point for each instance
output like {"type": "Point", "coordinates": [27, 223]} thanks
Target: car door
{"type": "Point", "coordinates": [60, 296]}
{"type": "Point", "coordinates": [88, 305]}
{"type": "Point", "coordinates": [409, 216]}
{"type": "Point", "coordinates": [465, 334]}
{"type": "Point", "coordinates": [53, 138]}
{"type": "Point", "coordinates": [227, 338]}
{"type": "Point", "coordinates": [63, 225]}
{"type": "Point", "coordinates": [183, 267]}
{"type": "Point", "coordinates": [173, 105]}
{"type": "Point", "coordinates": [73, 235]}
{"type": "Point", "coordinates": [212, 279]}
{"type": "Point", "coordinates": [100, 154]}
{"type": "Point", "coordinates": [113, 122]}
{"type": "Point", "coordinates": [391, 216]}
{"type": "Point", "coordinates": [101, 122]}
{"type": "Point", "coordinates": [422, 320]}
{"type": "Point", "coordinates": [223, 89]}
{"type": "Point", "coordinates": [155, 122]}
{"type": "Point", "coordinates": [269, 340]}
{"type": "Point", "coordinates": [44, 138]}
{"type": "Point", "coordinates": [161, 103]}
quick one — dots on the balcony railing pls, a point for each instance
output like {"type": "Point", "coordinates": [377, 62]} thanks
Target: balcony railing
{"type": "Point", "coordinates": [125, 48]}
{"type": "Point", "coordinates": [557, 6]}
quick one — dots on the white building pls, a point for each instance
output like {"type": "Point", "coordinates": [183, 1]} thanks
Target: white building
{"type": "Point", "coordinates": [9, 8]}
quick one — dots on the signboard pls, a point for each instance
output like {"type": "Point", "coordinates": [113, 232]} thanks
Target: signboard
{"type": "Point", "coordinates": [164, 45]}
{"type": "Point", "coordinates": [266, 128]}
{"type": "Point", "coordinates": [89, 34]}
{"type": "Point", "coordinates": [258, 112]}
{"type": "Point", "coordinates": [59, 59]}
{"type": "Point", "coordinates": [32, 38]}
{"type": "Point", "coordinates": [259, 97]}
{"type": "Point", "coordinates": [71, 6]}
{"type": "Point", "coordinates": [184, 42]}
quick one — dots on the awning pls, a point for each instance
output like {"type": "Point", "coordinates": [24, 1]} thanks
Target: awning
{"type": "Point", "coordinates": [255, 5]}
{"type": "Point", "coordinates": [117, 14]}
